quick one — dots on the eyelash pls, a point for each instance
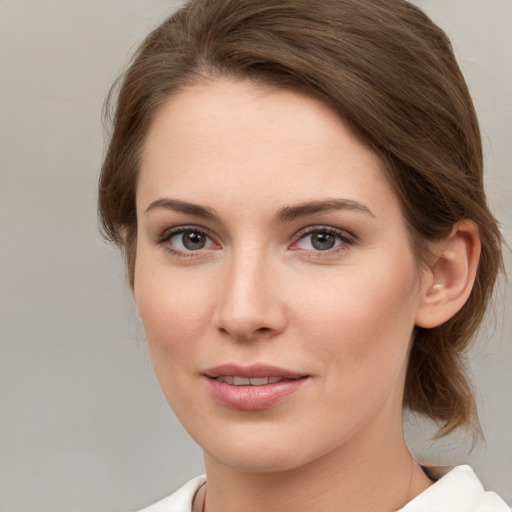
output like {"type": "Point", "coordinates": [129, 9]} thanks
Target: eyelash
{"type": "Point", "coordinates": [345, 239]}
{"type": "Point", "coordinates": [167, 235]}
{"type": "Point", "coordinates": [341, 236]}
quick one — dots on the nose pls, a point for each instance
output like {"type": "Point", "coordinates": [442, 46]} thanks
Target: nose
{"type": "Point", "coordinates": [250, 299]}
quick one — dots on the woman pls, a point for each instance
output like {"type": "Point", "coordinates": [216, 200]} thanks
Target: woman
{"type": "Point", "coordinates": [297, 188]}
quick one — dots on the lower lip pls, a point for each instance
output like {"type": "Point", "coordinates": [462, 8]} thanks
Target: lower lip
{"type": "Point", "coordinates": [253, 398]}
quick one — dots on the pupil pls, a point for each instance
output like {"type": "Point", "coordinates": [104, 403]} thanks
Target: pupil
{"type": "Point", "coordinates": [194, 241]}
{"type": "Point", "coordinates": [323, 241]}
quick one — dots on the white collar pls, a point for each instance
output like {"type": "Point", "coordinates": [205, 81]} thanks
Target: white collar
{"type": "Point", "coordinates": [457, 490]}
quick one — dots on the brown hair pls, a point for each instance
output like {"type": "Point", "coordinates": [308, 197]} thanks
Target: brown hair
{"type": "Point", "coordinates": [390, 73]}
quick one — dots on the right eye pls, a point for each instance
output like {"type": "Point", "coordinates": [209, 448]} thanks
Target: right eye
{"type": "Point", "coordinates": [186, 240]}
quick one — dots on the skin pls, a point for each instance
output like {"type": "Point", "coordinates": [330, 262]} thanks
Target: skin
{"type": "Point", "coordinates": [259, 291]}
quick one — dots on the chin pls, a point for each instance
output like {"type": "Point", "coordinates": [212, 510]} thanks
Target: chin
{"type": "Point", "coordinates": [266, 448]}
{"type": "Point", "coordinates": [257, 459]}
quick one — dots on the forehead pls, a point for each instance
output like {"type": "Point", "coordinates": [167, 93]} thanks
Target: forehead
{"type": "Point", "coordinates": [236, 139]}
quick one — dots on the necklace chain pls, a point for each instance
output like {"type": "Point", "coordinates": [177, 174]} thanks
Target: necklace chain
{"type": "Point", "coordinates": [195, 503]}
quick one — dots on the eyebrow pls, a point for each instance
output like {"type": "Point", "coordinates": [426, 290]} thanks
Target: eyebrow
{"type": "Point", "coordinates": [184, 207]}
{"type": "Point", "coordinates": [289, 213]}
{"type": "Point", "coordinates": [286, 214]}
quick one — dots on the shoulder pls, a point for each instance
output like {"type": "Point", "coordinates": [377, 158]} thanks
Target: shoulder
{"type": "Point", "coordinates": [458, 490]}
{"type": "Point", "coordinates": [181, 500]}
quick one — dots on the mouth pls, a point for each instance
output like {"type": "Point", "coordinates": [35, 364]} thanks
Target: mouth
{"type": "Point", "coordinates": [252, 388]}
{"type": "Point", "coordinates": [249, 381]}
{"type": "Point", "coordinates": [252, 375]}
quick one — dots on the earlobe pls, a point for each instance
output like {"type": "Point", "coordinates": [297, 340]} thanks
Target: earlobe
{"type": "Point", "coordinates": [449, 280]}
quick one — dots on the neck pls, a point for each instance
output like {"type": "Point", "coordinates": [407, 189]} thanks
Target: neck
{"type": "Point", "coordinates": [382, 476]}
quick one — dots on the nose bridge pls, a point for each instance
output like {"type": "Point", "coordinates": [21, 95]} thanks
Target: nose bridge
{"type": "Point", "coordinates": [249, 303]}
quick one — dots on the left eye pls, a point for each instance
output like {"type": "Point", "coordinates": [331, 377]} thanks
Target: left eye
{"type": "Point", "coordinates": [321, 240]}
{"type": "Point", "coordinates": [190, 240]}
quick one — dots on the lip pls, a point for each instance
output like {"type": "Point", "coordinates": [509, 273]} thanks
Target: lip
{"type": "Point", "coordinates": [253, 370]}
{"type": "Point", "coordinates": [248, 397]}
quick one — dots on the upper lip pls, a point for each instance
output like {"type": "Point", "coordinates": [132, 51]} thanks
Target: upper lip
{"type": "Point", "coordinates": [253, 370]}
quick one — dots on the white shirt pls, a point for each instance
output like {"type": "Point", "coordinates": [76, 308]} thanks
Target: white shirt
{"type": "Point", "coordinates": [459, 490]}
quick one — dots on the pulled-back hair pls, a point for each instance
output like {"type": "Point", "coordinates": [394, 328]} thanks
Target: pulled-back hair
{"type": "Point", "coordinates": [390, 74]}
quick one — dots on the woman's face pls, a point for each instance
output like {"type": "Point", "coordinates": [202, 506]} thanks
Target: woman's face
{"type": "Point", "coordinates": [274, 277]}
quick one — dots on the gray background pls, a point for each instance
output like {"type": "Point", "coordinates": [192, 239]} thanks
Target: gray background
{"type": "Point", "coordinates": [83, 425]}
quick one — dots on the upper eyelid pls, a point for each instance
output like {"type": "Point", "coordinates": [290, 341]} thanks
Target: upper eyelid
{"type": "Point", "coordinates": [176, 230]}
{"type": "Point", "coordinates": [304, 230]}
{"type": "Point", "coordinates": [318, 228]}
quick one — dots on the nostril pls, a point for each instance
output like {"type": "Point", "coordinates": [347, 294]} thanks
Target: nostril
{"type": "Point", "coordinates": [247, 333]}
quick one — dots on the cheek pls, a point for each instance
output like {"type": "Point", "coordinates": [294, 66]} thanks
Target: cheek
{"type": "Point", "coordinates": [172, 312]}
{"type": "Point", "coordinates": [173, 308]}
{"type": "Point", "coordinates": [364, 321]}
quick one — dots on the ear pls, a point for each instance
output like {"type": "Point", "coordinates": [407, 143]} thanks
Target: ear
{"type": "Point", "coordinates": [448, 280]}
